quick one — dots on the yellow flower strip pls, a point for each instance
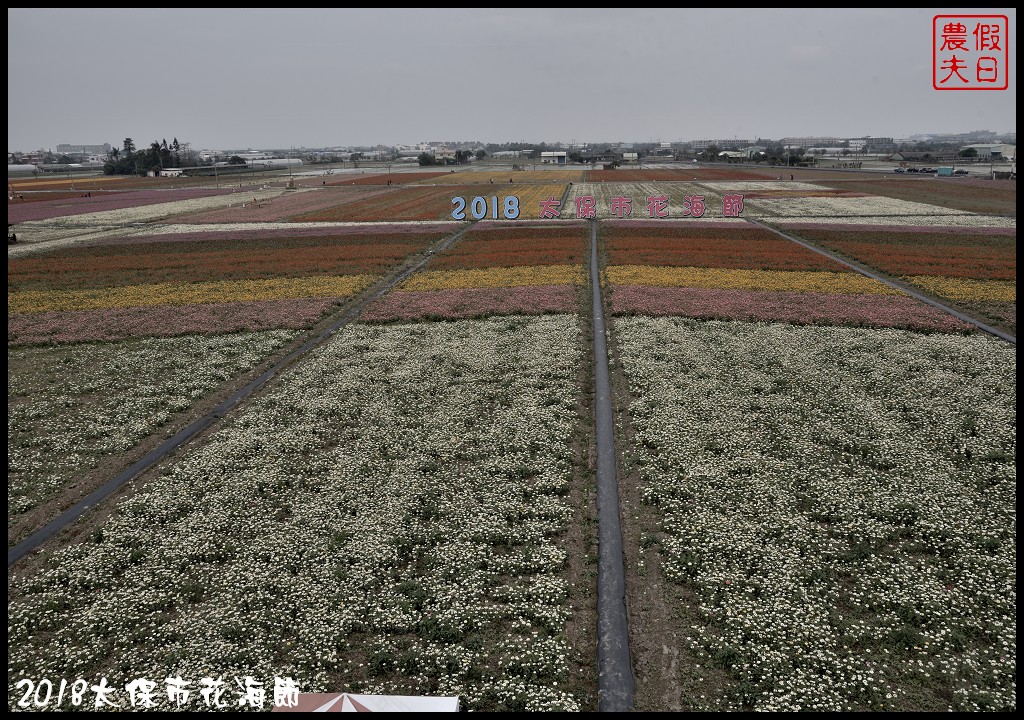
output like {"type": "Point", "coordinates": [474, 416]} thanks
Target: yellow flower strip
{"type": "Point", "coordinates": [187, 293]}
{"type": "Point", "coordinates": [494, 277]}
{"type": "Point", "coordinates": [794, 281]}
{"type": "Point", "coordinates": [967, 289]}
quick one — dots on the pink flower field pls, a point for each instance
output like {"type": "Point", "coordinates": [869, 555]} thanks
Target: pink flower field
{"type": "Point", "coordinates": [809, 308]}
{"type": "Point", "coordinates": [164, 320]}
{"type": "Point", "coordinates": [100, 202]}
{"type": "Point", "coordinates": [459, 303]}
{"type": "Point", "coordinates": [283, 207]}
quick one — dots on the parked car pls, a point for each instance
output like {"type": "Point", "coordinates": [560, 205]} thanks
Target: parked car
{"type": "Point", "coordinates": [960, 172]}
{"type": "Point", "coordinates": [899, 170]}
{"type": "Point", "coordinates": [913, 170]}
{"type": "Point", "coordinates": [927, 170]}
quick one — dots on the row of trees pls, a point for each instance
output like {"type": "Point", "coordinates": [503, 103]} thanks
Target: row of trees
{"type": "Point", "coordinates": [461, 156]}
{"type": "Point", "coordinates": [130, 160]}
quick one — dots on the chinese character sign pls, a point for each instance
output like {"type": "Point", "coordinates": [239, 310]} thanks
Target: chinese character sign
{"type": "Point", "coordinates": [970, 52]}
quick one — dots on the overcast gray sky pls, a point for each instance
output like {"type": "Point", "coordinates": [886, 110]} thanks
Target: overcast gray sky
{"type": "Point", "coordinates": [278, 78]}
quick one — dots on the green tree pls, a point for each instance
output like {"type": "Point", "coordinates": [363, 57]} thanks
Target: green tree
{"type": "Point", "coordinates": [969, 153]}
{"type": "Point", "coordinates": [425, 159]}
{"type": "Point", "coordinates": [481, 154]}
{"type": "Point", "coordinates": [153, 156]}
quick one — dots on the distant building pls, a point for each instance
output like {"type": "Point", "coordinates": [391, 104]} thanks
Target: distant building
{"type": "Point", "coordinates": [554, 157]}
{"type": "Point", "coordinates": [806, 141]}
{"type": "Point", "coordinates": [65, 149]}
{"type": "Point", "coordinates": [993, 151]}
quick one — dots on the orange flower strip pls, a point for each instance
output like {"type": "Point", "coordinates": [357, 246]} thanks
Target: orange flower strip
{"type": "Point", "coordinates": [499, 246]}
{"type": "Point", "coordinates": [495, 277]}
{"type": "Point", "coordinates": [187, 293]}
{"type": "Point", "coordinates": [797, 281]}
{"type": "Point", "coordinates": [980, 255]}
{"type": "Point", "coordinates": [961, 261]}
{"type": "Point", "coordinates": [193, 264]}
{"type": "Point", "coordinates": [395, 204]}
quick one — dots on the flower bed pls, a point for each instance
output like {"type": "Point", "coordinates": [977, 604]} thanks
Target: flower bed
{"type": "Point", "coordinates": [280, 207]}
{"type": "Point", "coordinates": [113, 265]}
{"type": "Point", "coordinates": [324, 286]}
{"type": "Point", "coordinates": [910, 222]}
{"type": "Point", "coordinates": [386, 178]}
{"type": "Point", "coordinates": [968, 194]}
{"type": "Point", "coordinates": [979, 254]}
{"type": "Point", "coordinates": [501, 177]}
{"type": "Point", "coordinates": [741, 279]}
{"type": "Point", "coordinates": [815, 208]}
{"type": "Point", "coordinates": [704, 173]}
{"type": "Point", "coordinates": [355, 526]}
{"type": "Point", "coordinates": [804, 308]}
{"type": "Point", "coordinates": [104, 203]}
{"type": "Point", "coordinates": [461, 303]}
{"type": "Point", "coordinates": [495, 245]}
{"type": "Point", "coordinates": [70, 406]}
{"type": "Point", "coordinates": [966, 289]}
{"type": "Point", "coordinates": [494, 277]}
{"type": "Point", "coordinates": [164, 320]}
{"type": "Point", "coordinates": [745, 246]}
{"type": "Point", "coordinates": [837, 506]}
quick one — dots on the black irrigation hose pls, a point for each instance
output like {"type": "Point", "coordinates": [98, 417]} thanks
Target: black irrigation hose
{"type": "Point", "coordinates": [184, 435]}
{"type": "Point", "coordinates": [615, 684]}
{"type": "Point", "coordinates": [893, 284]}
